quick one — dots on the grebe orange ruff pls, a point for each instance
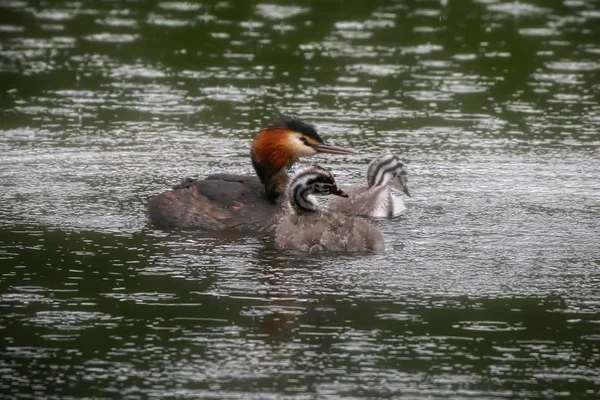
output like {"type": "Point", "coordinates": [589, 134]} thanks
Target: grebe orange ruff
{"type": "Point", "coordinates": [228, 202]}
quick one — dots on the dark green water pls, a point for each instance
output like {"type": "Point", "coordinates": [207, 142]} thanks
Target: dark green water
{"type": "Point", "coordinates": [490, 286]}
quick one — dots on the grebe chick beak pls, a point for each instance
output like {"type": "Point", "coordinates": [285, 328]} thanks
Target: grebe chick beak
{"type": "Point", "coordinates": [399, 183]}
{"type": "Point", "coordinates": [331, 149]}
{"type": "Point", "coordinates": [338, 192]}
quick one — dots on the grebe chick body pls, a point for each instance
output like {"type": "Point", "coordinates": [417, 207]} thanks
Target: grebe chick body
{"type": "Point", "coordinates": [304, 226]}
{"type": "Point", "coordinates": [375, 197]}
{"type": "Point", "coordinates": [239, 202]}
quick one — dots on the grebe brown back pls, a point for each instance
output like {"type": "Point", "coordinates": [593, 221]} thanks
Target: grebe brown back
{"type": "Point", "coordinates": [374, 198]}
{"type": "Point", "coordinates": [239, 202]}
{"type": "Point", "coordinates": [304, 226]}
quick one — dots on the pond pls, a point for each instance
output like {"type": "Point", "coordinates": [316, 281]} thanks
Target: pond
{"type": "Point", "coordinates": [490, 284]}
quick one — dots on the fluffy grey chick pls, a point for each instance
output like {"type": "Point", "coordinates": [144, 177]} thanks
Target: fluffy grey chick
{"type": "Point", "coordinates": [375, 197]}
{"type": "Point", "coordinates": [304, 226]}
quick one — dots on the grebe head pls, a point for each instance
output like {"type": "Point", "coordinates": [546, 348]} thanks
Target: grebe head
{"type": "Point", "coordinates": [388, 169]}
{"type": "Point", "coordinates": [309, 182]}
{"type": "Point", "coordinates": [280, 144]}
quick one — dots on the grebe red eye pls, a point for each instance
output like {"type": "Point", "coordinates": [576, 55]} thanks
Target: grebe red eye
{"type": "Point", "coordinates": [304, 140]}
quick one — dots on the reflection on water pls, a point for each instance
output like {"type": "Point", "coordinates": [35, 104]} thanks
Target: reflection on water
{"type": "Point", "coordinates": [489, 287]}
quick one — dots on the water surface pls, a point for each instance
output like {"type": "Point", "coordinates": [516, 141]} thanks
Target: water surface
{"type": "Point", "coordinates": [489, 287]}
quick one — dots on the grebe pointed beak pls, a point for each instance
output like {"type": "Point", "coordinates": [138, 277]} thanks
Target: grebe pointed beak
{"type": "Point", "coordinates": [331, 149]}
{"type": "Point", "coordinates": [405, 191]}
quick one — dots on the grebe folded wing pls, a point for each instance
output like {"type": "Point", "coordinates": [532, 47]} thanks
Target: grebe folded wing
{"type": "Point", "coordinates": [214, 205]}
{"type": "Point", "coordinates": [244, 179]}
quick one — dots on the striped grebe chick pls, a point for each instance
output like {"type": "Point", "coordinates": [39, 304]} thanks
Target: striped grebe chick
{"type": "Point", "coordinates": [376, 198]}
{"type": "Point", "coordinates": [304, 226]}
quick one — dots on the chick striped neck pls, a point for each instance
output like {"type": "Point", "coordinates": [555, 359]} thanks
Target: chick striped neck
{"type": "Point", "coordinates": [307, 183]}
{"type": "Point", "coordinates": [383, 169]}
{"type": "Point", "coordinates": [302, 200]}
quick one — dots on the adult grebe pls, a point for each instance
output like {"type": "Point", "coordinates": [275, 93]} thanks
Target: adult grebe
{"type": "Point", "coordinates": [375, 198]}
{"type": "Point", "coordinates": [304, 226]}
{"type": "Point", "coordinates": [239, 202]}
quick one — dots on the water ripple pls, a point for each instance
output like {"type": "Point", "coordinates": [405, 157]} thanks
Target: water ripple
{"type": "Point", "coordinates": [112, 38]}
{"type": "Point", "coordinates": [160, 20]}
{"type": "Point", "coordinates": [179, 6]}
{"type": "Point", "coordinates": [279, 12]}
{"type": "Point", "coordinates": [573, 66]}
{"type": "Point", "coordinates": [518, 9]}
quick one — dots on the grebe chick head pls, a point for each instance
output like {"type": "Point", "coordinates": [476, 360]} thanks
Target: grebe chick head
{"type": "Point", "coordinates": [309, 182]}
{"type": "Point", "coordinates": [279, 145]}
{"type": "Point", "coordinates": [388, 170]}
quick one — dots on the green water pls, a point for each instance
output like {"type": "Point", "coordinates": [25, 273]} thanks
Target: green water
{"type": "Point", "coordinates": [490, 284]}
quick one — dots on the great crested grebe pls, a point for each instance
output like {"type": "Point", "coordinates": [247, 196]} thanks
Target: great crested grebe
{"type": "Point", "coordinates": [375, 198]}
{"type": "Point", "coordinates": [303, 226]}
{"type": "Point", "coordinates": [239, 202]}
